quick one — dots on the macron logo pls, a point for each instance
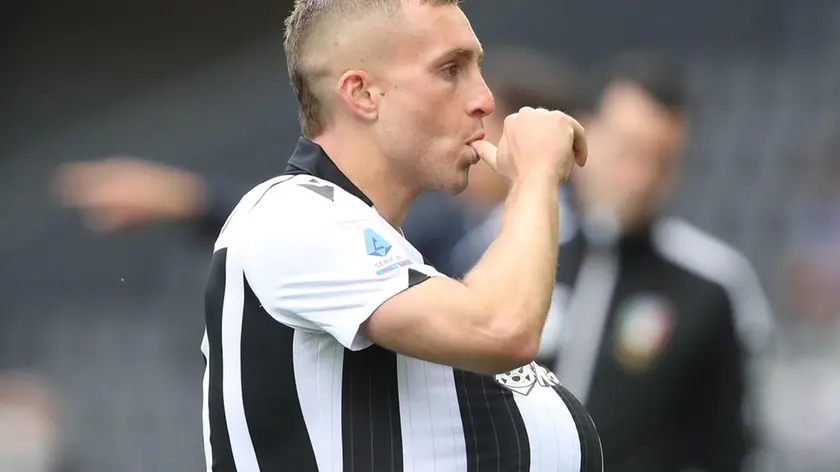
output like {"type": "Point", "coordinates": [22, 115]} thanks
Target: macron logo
{"type": "Point", "coordinates": [376, 244]}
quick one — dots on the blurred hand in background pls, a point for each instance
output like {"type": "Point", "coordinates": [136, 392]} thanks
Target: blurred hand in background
{"type": "Point", "coordinates": [121, 192]}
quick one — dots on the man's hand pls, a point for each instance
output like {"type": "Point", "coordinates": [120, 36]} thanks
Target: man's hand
{"type": "Point", "coordinates": [120, 192]}
{"type": "Point", "coordinates": [536, 140]}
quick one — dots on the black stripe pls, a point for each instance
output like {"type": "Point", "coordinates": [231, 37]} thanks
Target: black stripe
{"type": "Point", "coordinates": [213, 300]}
{"type": "Point", "coordinates": [269, 392]}
{"type": "Point", "coordinates": [591, 455]}
{"type": "Point", "coordinates": [416, 277]}
{"type": "Point", "coordinates": [494, 432]}
{"type": "Point", "coordinates": [370, 408]}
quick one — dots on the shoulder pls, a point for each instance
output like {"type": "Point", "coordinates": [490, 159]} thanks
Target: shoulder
{"type": "Point", "coordinates": [298, 211]}
{"type": "Point", "coordinates": [301, 202]}
{"type": "Point", "coordinates": [301, 194]}
{"type": "Point", "coordinates": [709, 258]}
{"type": "Point", "coordinates": [305, 226]}
{"type": "Point", "coordinates": [697, 251]}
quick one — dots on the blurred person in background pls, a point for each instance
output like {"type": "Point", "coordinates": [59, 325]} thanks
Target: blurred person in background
{"type": "Point", "coordinates": [804, 386]}
{"type": "Point", "coordinates": [125, 192]}
{"type": "Point", "coordinates": [30, 436]}
{"type": "Point", "coordinates": [654, 324]}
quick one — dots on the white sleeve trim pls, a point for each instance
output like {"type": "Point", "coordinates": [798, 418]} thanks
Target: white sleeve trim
{"type": "Point", "coordinates": [711, 259]}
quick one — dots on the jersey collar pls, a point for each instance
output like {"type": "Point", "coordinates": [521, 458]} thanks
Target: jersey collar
{"type": "Point", "coordinates": [310, 159]}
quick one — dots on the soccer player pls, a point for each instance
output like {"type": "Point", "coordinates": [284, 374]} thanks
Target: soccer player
{"type": "Point", "coordinates": [330, 344]}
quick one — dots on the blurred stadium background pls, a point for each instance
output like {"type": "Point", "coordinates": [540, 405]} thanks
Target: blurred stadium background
{"type": "Point", "coordinates": [113, 323]}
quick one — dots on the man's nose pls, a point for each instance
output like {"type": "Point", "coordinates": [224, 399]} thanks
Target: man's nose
{"type": "Point", "coordinates": [484, 103]}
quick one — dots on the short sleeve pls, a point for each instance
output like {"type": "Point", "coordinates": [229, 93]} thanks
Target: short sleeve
{"type": "Point", "coordinates": [327, 269]}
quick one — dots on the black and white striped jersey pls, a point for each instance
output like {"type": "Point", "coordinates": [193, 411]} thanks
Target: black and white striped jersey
{"type": "Point", "coordinates": [291, 385]}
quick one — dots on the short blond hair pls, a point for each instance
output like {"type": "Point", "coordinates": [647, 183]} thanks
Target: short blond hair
{"type": "Point", "coordinates": [308, 20]}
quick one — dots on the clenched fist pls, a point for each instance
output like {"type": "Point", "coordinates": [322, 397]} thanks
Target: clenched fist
{"type": "Point", "coordinates": [536, 140]}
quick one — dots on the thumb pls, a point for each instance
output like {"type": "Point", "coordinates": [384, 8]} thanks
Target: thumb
{"type": "Point", "coordinates": [487, 152]}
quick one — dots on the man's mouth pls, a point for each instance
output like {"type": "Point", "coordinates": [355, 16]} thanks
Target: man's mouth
{"type": "Point", "coordinates": [476, 137]}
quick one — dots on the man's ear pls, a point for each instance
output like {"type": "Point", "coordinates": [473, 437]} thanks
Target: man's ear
{"type": "Point", "coordinates": [357, 91]}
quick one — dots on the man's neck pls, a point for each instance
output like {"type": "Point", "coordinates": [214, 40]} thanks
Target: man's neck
{"type": "Point", "coordinates": [391, 192]}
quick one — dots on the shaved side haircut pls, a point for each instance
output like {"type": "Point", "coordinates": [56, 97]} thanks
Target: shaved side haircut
{"type": "Point", "coordinates": [316, 19]}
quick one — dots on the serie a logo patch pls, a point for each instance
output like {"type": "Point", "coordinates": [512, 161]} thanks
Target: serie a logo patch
{"type": "Point", "coordinates": [375, 244]}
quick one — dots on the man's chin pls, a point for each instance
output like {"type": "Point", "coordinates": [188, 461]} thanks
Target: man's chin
{"type": "Point", "coordinates": [462, 183]}
{"type": "Point", "coordinates": [456, 186]}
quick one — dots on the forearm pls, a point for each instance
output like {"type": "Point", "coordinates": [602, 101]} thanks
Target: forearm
{"type": "Point", "coordinates": [516, 274]}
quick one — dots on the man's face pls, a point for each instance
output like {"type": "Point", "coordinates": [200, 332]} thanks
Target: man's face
{"type": "Point", "coordinates": [434, 98]}
{"type": "Point", "coordinates": [634, 143]}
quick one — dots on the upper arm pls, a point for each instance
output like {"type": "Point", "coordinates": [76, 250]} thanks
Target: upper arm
{"type": "Point", "coordinates": [751, 313]}
{"type": "Point", "coordinates": [743, 344]}
{"type": "Point", "coordinates": [752, 332]}
{"type": "Point", "coordinates": [314, 270]}
{"type": "Point", "coordinates": [443, 321]}
{"type": "Point", "coordinates": [722, 393]}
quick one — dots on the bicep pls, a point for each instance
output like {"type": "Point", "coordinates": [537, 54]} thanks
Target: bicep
{"type": "Point", "coordinates": [441, 320]}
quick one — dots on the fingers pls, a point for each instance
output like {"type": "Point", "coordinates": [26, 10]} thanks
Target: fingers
{"type": "Point", "coordinates": [580, 147]}
{"type": "Point", "coordinates": [579, 144]}
{"type": "Point", "coordinates": [486, 152]}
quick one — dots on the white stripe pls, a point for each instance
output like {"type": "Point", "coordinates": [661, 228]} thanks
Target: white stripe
{"type": "Point", "coordinates": [552, 433]}
{"type": "Point", "coordinates": [205, 407]}
{"type": "Point", "coordinates": [585, 320]}
{"type": "Point", "coordinates": [553, 328]}
{"type": "Point", "coordinates": [430, 417]}
{"type": "Point", "coordinates": [318, 367]}
{"type": "Point", "coordinates": [244, 456]}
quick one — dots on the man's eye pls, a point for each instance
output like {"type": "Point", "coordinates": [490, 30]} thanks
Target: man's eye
{"type": "Point", "coordinates": [452, 71]}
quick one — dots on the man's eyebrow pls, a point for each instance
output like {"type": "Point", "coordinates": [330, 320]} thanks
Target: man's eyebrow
{"type": "Point", "coordinates": [463, 53]}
